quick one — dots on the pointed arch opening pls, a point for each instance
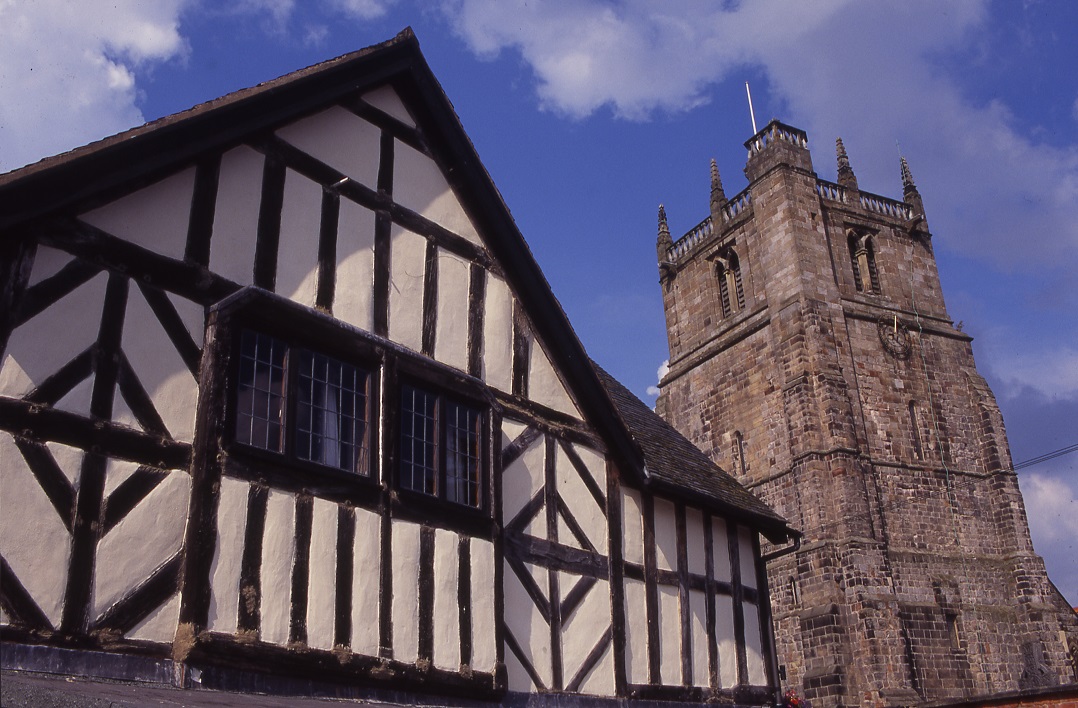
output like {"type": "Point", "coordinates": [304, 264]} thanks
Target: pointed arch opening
{"type": "Point", "coordinates": [863, 261]}
{"type": "Point", "coordinates": [731, 290]}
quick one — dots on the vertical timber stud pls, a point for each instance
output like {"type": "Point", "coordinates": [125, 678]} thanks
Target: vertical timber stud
{"type": "Point", "coordinates": [651, 588]}
{"type": "Point", "coordinates": [346, 542]}
{"type": "Point", "coordinates": [301, 569]}
{"type": "Point", "coordinates": [617, 577]}
{"type": "Point", "coordinates": [382, 241]}
{"type": "Point", "coordinates": [709, 599]}
{"type": "Point", "coordinates": [203, 208]}
{"type": "Point", "coordinates": [249, 621]}
{"type": "Point", "coordinates": [551, 507]}
{"type": "Point", "coordinates": [521, 350]}
{"type": "Point", "coordinates": [16, 261]}
{"type": "Point", "coordinates": [683, 596]}
{"type": "Point", "coordinates": [501, 679]}
{"type": "Point", "coordinates": [430, 298]}
{"type": "Point", "coordinates": [426, 596]}
{"type": "Point", "coordinates": [327, 250]}
{"type": "Point", "coordinates": [477, 288]}
{"type": "Point", "coordinates": [390, 399]}
{"type": "Point", "coordinates": [739, 600]}
{"type": "Point", "coordinates": [89, 499]}
{"type": "Point", "coordinates": [464, 599]}
{"type": "Point", "coordinates": [269, 223]}
{"type": "Point", "coordinates": [200, 538]}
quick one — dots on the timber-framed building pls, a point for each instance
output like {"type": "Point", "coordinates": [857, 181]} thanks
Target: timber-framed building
{"type": "Point", "coordinates": [286, 404]}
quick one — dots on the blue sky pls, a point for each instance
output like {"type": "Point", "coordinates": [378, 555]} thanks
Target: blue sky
{"type": "Point", "coordinates": [589, 113]}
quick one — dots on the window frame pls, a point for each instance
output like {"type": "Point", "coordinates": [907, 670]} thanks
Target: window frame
{"type": "Point", "coordinates": [287, 457]}
{"type": "Point", "coordinates": [443, 395]}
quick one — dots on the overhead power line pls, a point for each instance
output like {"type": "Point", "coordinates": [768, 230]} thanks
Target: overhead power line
{"type": "Point", "coordinates": [1046, 456]}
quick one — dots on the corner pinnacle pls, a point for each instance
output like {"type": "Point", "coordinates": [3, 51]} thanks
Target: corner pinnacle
{"type": "Point", "coordinates": [846, 177]}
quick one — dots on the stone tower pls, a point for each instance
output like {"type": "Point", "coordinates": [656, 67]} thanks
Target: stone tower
{"type": "Point", "coordinates": [811, 354]}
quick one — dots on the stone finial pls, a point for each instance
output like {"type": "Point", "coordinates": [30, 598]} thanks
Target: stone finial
{"type": "Point", "coordinates": [910, 195]}
{"type": "Point", "coordinates": [718, 196]}
{"type": "Point", "coordinates": [846, 177]}
{"type": "Point", "coordinates": [664, 241]}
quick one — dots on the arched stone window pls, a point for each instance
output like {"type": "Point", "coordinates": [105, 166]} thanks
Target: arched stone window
{"type": "Point", "coordinates": [741, 466]}
{"type": "Point", "coordinates": [863, 260]}
{"type": "Point", "coordinates": [731, 292]}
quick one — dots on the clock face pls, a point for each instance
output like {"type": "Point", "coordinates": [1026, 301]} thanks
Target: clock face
{"type": "Point", "coordinates": [895, 336]}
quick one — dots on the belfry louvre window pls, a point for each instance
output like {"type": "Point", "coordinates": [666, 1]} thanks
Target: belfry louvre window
{"type": "Point", "coordinates": [302, 404]}
{"type": "Point", "coordinates": [440, 447]}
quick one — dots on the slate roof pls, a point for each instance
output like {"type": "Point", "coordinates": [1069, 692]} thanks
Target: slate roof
{"type": "Point", "coordinates": [672, 464]}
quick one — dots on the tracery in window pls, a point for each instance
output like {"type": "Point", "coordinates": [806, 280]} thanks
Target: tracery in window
{"type": "Point", "coordinates": [863, 260]}
{"type": "Point", "coordinates": [731, 292]}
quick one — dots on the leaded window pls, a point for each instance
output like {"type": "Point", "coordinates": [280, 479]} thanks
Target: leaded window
{"type": "Point", "coordinates": [440, 447]}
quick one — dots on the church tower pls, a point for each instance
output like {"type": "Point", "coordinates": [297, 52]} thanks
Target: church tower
{"type": "Point", "coordinates": [811, 355]}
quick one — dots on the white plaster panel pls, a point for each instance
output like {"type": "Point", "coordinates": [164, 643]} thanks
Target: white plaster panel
{"type": "Point", "coordinates": [228, 556]}
{"type": "Point", "coordinates": [297, 253]}
{"type": "Point", "coordinates": [160, 625]}
{"type": "Point", "coordinates": [600, 682]}
{"type": "Point", "coordinates": [168, 381]}
{"type": "Point", "coordinates": [33, 541]}
{"type": "Point", "coordinates": [544, 385]}
{"type": "Point", "coordinates": [35, 352]}
{"type": "Point", "coordinates": [580, 502]}
{"type": "Point", "coordinates": [698, 627]}
{"type": "Point", "coordinates": [4, 619]}
{"type": "Point", "coordinates": [746, 558]}
{"type": "Point", "coordinates": [235, 220]}
{"type": "Point", "coordinates": [669, 635]}
{"type": "Point", "coordinates": [754, 653]}
{"type": "Point", "coordinates": [523, 478]}
{"type": "Point", "coordinates": [386, 99]}
{"type": "Point", "coordinates": [366, 565]}
{"type": "Point", "coordinates": [278, 556]}
{"type": "Point", "coordinates": [418, 184]}
{"type": "Point", "coordinates": [720, 550]}
{"type": "Point", "coordinates": [565, 536]}
{"type": "Point", "coordinates": [511, 430]}
{"type": "Point", "coordinates": [405, 591]}
{"type": "Point", "coordinates": [727, 644]}
{"type": "Point", "coordinates": [665, 535]}
{"type": "Point", "coordinates": [531, 631]}
{"type": "Point", "coordinates": [484, 648]}
{"type": "Point", "coordinates": [636, 632]}
{"type": "Point", "coordinates": [446, 607]}
{"type": "Point", "coordinates": [341, 139]}
{"type": "Point", "coordinates": [69, 460]}
{"type": "Point", "coordinates": [47, 262]}
{"type": "Point", "coordinates": [451, 321]}
{"type": "Point", "coordinates": [121, 412]}
{"type": "Point", "coordinates": [632, 533]}
{"type": "Point", "coordinates": [694, 541]}
{"type": "Point", "coordinates": [155, 527]}
{"type": "Point", "coordinates": [353, 297]}
{"type": "Point", "coordinates": [408, 255]}
{"type": "Point", "coordinates": [582, 629]}
{"type": "Point", "coordinates": [193, 316]}
{"type": "Point", "coordinates": [517, 677]}
{"type": "Point", "coordinates": [498, 334]}
{"type": "Point", "coordinates": [117, 472]}
{"type": "Point", "coordinates": [595, 463]}
{"type": "Point", "coordinates": [154, 217]}
{"type": "Point", "coordinates": [322, 588]}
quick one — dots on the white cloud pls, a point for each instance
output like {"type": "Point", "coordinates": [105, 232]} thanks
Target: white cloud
{"type": "Point", "coordinates": [67, 70]}
{"type": "Point", "coordinates": [364, 9]}
{"type": "Point", "coordinates": [1052, 509]}
{"type": "Point", "coordinates": [663, 370]}
{"type": "Point", "coordinates": [1052, 373]}
{"type": "Point", "coordinates": [866, 71]}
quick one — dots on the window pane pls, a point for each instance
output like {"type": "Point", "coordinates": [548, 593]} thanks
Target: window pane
{"type": "Point", "coordinates": [419, 436]}
{"type": "Point", "coordinates": [462, 459]}
{"type": "Point", "coordinates": [331, 412]}
{"type": "Point", "coordinates": [260, 391]}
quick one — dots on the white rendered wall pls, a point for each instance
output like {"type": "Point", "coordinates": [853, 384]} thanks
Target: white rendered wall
{"type": "Point", "coordinates": [278, 556]}
{"type": "Point", "coordinates": [669, 635]}
{"type": "Point", "coordinates": [484, 647]}
{"type": "Point", "coordinates": [523, 620]}
{"type": "Point", "coordinates": [665, 535]}
{"type": "Point", "coordinates": [544, 384]}
{"type": "Point", "coordinates": [419, 185]}
{"type": "Point", "coordinates": [340, 139]}
{"type": "Point", "coordinates": [632, 538]}
{"type": "Point", "coordinates": [636, 632]}
{"type": "Point", "coordinates": [33, 540]}
{"type": "Point", "coordinates": [580, 632]}
{"type": "Point", "coordinates": [160, 625]}
{"type": "Point", "coordinates": [154, 217]}
{"type": "Point", "coordinates": [587, 513]}
{"type": "Point", "coordinates": [387, 100]}
{"type": "Point", "coordinates": [754, 653]}
{"type": "Point", "coordinates": [451, 316]}
{"type": "Point", "coordinates": [498, 335]}
{"type": "Point", "coordinates": [727, 644]}
{"type": "Point", "coordinates": [149, 535]}
{"type": "Point", "coordinates": [523, 478]}
{"type": "Point", "coordinates": [297, 260]}
{"type": "Point", "coordinates": [405, 591]}
{"type": "Point", "coordinates": [228, 556]}
{"type": "Point", "coordinates": [406, 271]}
{"type": "Point", "coordinates": [235, 221]}
{"type": "Point", "coordinates": [446, 616]}
{"type": "Point", "coordinates": [353, 299]}
{"type": "Point", "coordinates": [366, 565]}
{"type": "Point", "coordinates": [698, 629]}
{"type": "Point", "coordinates": [322, 582]}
